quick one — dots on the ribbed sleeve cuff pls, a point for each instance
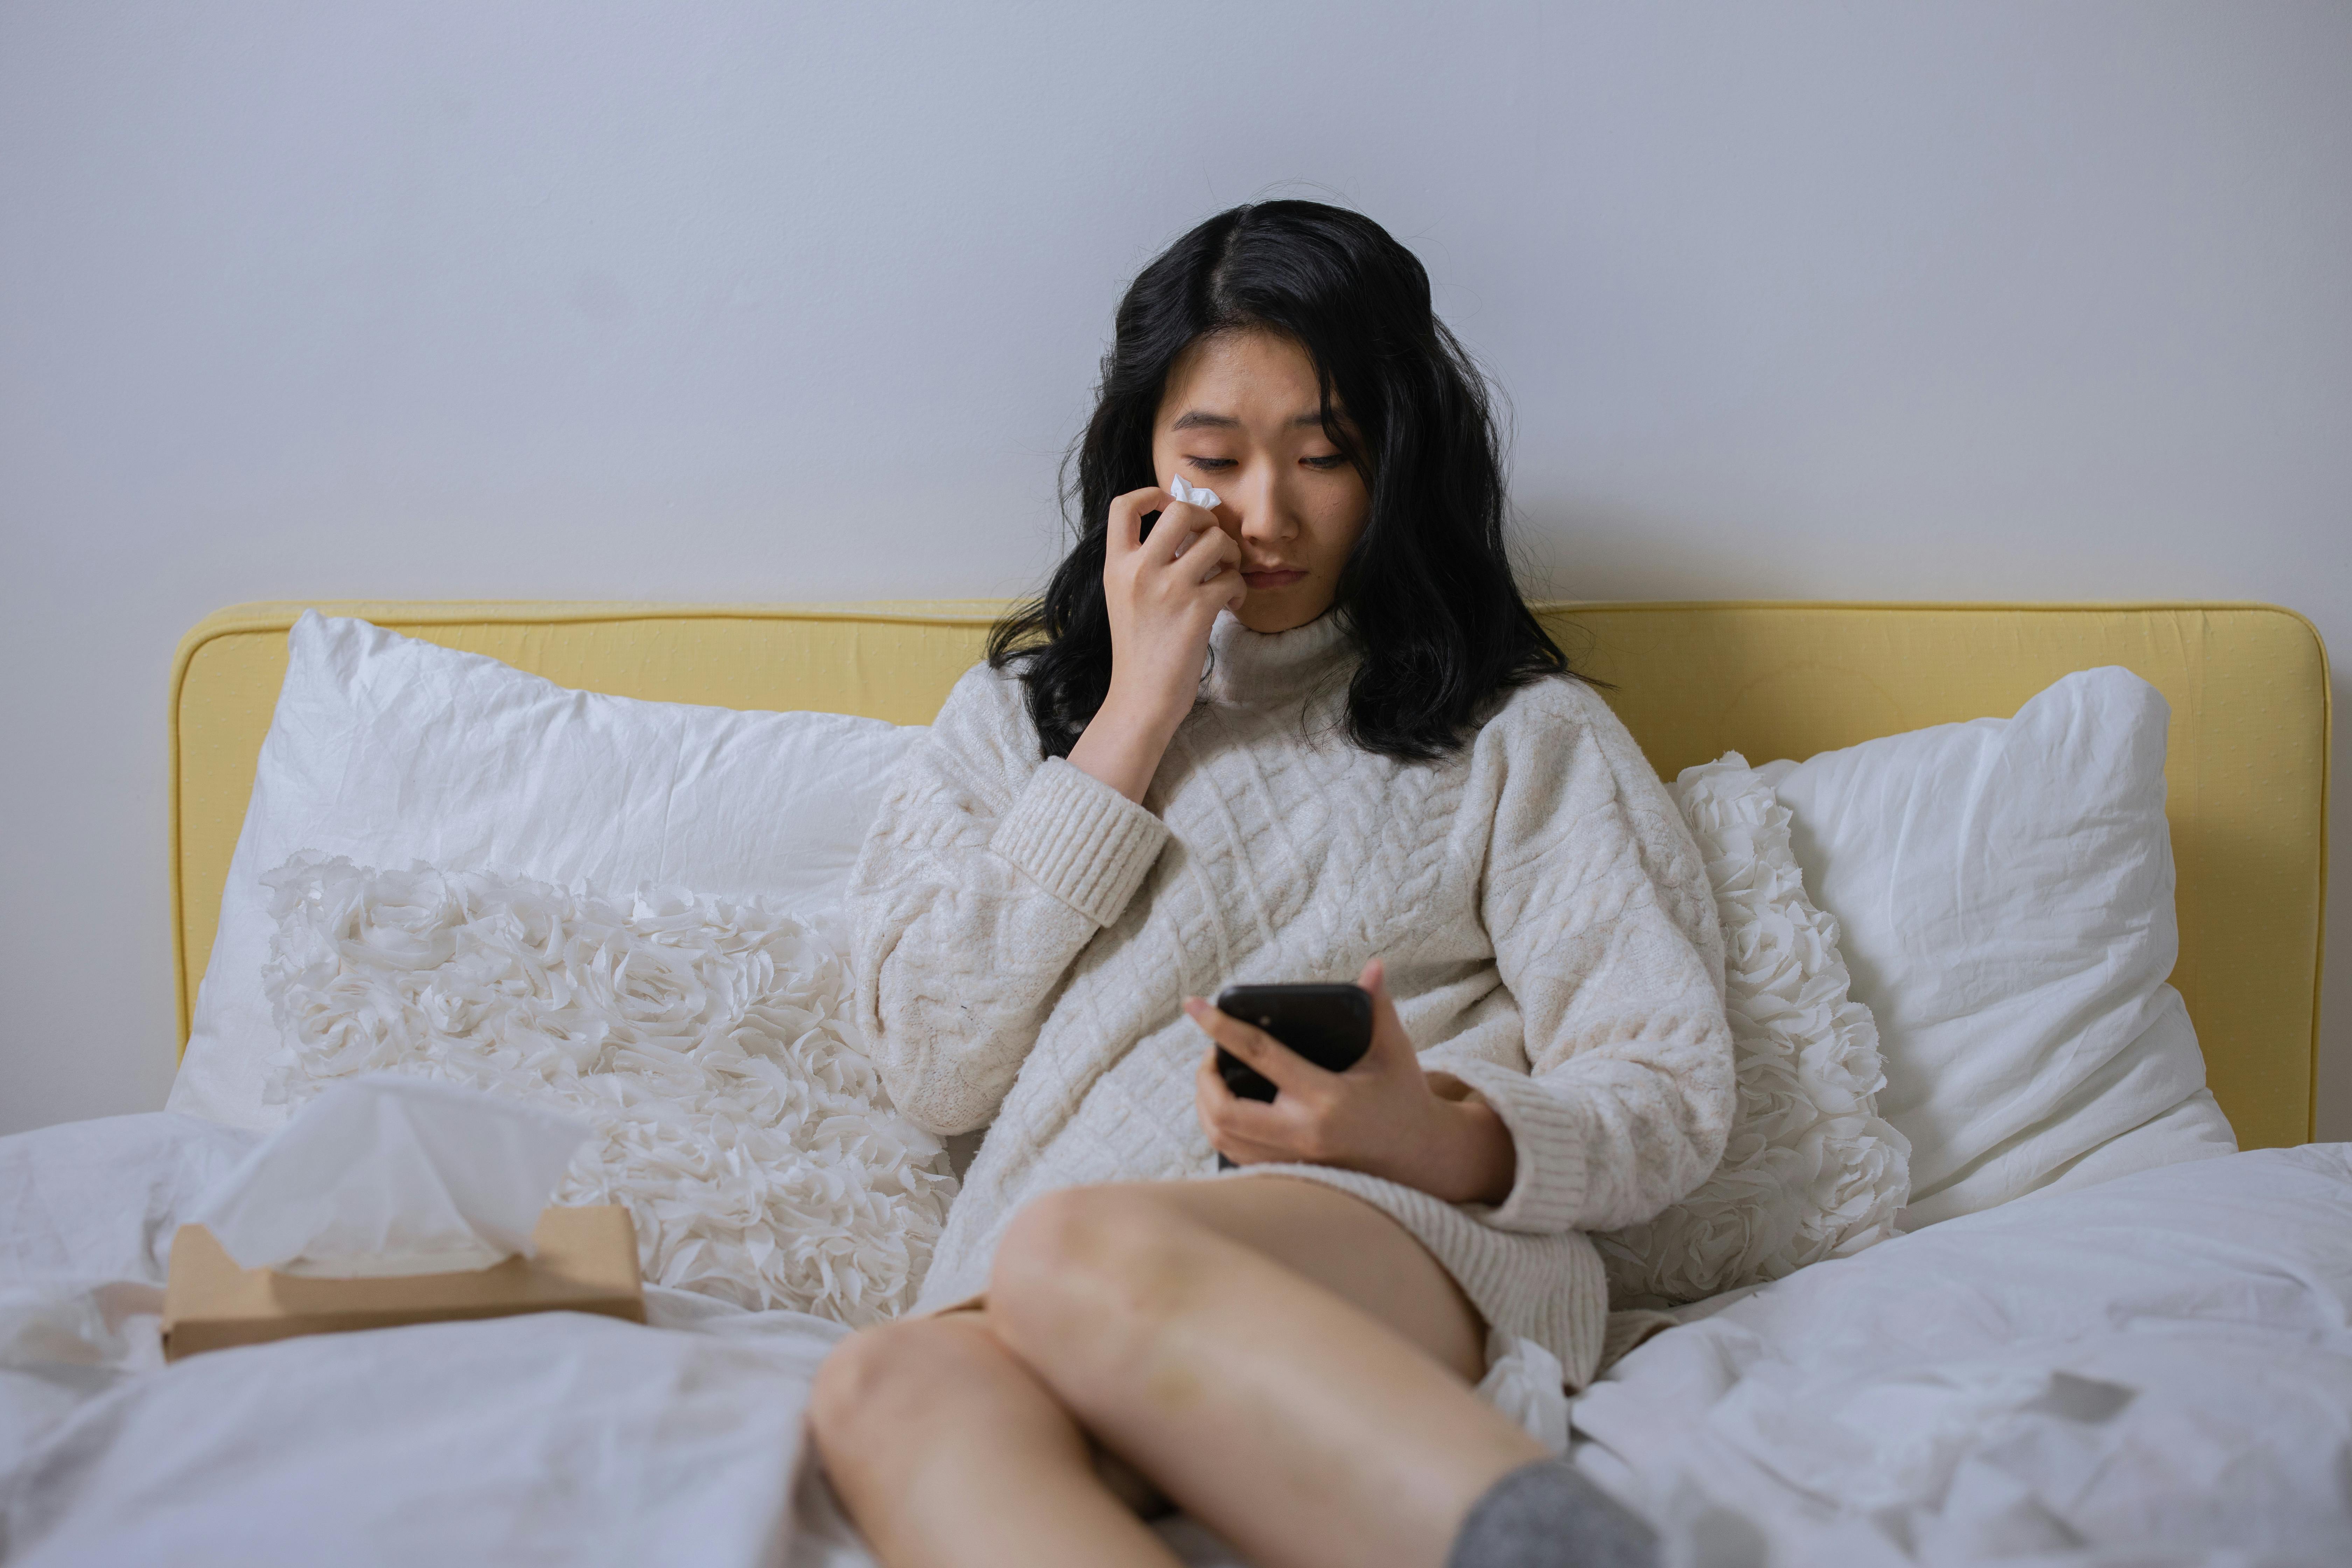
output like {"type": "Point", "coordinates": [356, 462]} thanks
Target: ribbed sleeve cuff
{"type": "Point", "coordinates": [1080, 840]}
{"type": "Point", "coordinates": [1548, 1192]}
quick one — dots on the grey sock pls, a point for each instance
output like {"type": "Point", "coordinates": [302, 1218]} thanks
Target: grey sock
{"type": "Point", "coordinates": [1546, 1515]}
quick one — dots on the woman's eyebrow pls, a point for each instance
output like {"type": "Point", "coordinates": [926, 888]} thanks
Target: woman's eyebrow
{"type": "Point", "coordinates": [1201, 419]}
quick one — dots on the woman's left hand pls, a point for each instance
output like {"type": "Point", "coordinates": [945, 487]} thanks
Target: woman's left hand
{"type": "Point", "coordinates": [1382, 1116]}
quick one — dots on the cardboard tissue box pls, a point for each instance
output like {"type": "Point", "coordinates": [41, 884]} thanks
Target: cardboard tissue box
{"type": "Point", "coordinates": [586, 1262]}
{"type": "Point", "coordinates": [391, 1200]}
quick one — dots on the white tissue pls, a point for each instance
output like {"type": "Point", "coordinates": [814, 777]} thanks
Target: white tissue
{"type": "Point", "coordinates": [1194, 495]}
{"type": "Point", "coordinates": [385, 1175]}
{"type": "Point", "coordinates": [1525, 1383]}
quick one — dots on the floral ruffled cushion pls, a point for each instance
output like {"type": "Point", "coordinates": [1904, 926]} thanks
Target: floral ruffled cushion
{"type": "Point", "coordinates": [710, 1043]}
{"type": "Point", "coordinates": [1810, 1171]}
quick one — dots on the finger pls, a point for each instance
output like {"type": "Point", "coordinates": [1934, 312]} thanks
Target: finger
{"type": "Point", "coordinates": [1240, 1130]}
{"type": "Point", "coordinates": [1211, 1099]}
{"type": "Point", "coordinates": [1218, 1099]}
{"type": "Point", "coordinates": [1219, 555]}
{"type": "Point", "coordinates": [1177, 535]}
{"type": "Point", "coordinates": [1124, 530]}
{"type": "Point", "coordinates": [1253, 1045]}
{"type": "Point", "coordinates": [1220, 569]}
{"type": "Point", "coordinates": [1181, 524]}
{"type": "Point", "coordinates": [1209, 1095]}
{"type": "Point", "coordinates": [1264, 1125]}
{"type": "Point", "coordinates": [1250, 1133]}
{"type": "Point", "coordinates": [1388, 1029]}
{"type": "Point", "coordinates": [1209, 1087]}
{"type": "Point", "coordinates": [1287, 1071]}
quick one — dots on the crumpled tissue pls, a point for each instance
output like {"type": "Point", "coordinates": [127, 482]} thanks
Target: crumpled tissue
{"type": "Point", "coordinates": [1525, 1383]}
{"type": "Point", "coordinates": [386, 1176]}
{"type": "Point", "coordinates": [1192, 495]}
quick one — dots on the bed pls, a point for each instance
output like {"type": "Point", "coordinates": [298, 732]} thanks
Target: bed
{"type": "Point", "coordinates": [680, 1449]}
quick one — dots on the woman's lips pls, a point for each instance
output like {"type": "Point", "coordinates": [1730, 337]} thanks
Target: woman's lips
{"type": "Point", "coordinates": [1282, 577]}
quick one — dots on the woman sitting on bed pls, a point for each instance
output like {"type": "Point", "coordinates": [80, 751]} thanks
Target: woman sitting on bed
{"type": "Point", "coordinates": [1305, 730]}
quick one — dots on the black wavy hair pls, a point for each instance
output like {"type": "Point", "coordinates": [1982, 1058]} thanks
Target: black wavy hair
{"type": "Point", "coordinates": [1427, 596]}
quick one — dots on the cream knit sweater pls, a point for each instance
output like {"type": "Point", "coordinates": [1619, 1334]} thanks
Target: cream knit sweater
{"type": "Point", "coordinates": [1025, 934]}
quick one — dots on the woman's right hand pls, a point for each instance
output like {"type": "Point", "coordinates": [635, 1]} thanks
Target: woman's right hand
{"type": "Point", "coordinates": [1164, 594]}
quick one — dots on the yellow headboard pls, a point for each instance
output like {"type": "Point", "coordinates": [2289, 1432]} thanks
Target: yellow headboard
{"type": "Point", "coordinates": [2247, 773]}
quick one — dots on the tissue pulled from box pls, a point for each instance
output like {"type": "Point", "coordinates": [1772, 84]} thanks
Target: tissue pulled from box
{"type": "Point", "coordinates": [386, 1175]}
{"type": "Point", "coordinates": [1194, 495]}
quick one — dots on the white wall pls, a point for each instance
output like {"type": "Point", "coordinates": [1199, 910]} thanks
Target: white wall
{"type": "Point", "coordinates": [734, 300]}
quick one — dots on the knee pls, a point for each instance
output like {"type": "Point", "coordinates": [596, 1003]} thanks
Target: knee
{"type": "Point", "coordinates": [882, 1387]}
{"type": "Point", "coordinates": [1089, 1271]}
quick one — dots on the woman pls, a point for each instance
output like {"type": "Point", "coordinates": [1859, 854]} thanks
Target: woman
{"type": "Point", "coordinates": [1305, 730]}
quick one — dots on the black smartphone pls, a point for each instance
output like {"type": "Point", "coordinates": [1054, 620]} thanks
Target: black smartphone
{"type": "Point", "coordinates": [1331, 1025]}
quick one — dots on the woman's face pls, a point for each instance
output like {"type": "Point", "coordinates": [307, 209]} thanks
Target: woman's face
{"type": "Point", "coordinates": [1242, 415]}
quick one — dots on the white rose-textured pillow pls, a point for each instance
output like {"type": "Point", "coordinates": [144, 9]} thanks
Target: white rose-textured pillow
{"type": "Point", "coordinates": [1810, 1171]}
{"type": "Point", "coordinates": [708, 1042]}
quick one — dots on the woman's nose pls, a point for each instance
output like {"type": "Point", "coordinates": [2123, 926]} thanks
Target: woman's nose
{"type": "Point", "coordinates": [1265, 513]}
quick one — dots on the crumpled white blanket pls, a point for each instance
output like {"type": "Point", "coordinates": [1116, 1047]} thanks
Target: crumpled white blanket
{"type": "Point", "coordinates": [2153, 1371]}
{"type": "Point", "coordinates": [2157, 1371]}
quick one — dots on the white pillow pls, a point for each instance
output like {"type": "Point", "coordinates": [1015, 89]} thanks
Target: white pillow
{"type": "Point", "coordinates": [2004, 889]}
{"type": "Point", "coordinates": [1809, 1170]}
{"type": "Point", "coordinates": [707, 1042]}
{"type": "Point", "coordinates": [391, 751]}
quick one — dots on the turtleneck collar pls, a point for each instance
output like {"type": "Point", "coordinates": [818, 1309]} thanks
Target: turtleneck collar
{"type": "Point", "coordinates": [1249, 669]}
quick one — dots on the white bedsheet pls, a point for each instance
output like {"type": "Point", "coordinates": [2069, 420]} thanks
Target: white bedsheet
{"type": "Point", "coordinates": [557, 1439]}
{"type": "Point", "coordinates": [1958, 1395]}
{"type": "Point", "coordinates": [2158, 1369]}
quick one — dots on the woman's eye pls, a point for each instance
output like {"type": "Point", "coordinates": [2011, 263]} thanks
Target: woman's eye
{"type": "Point", "coordinates": [1210, 462]}
{"type": "Point", "coordinates": [1333, 461]}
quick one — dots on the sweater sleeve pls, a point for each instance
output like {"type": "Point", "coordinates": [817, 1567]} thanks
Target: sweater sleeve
{"type": "Point", "coordinates": [985, 875]}
{"type": "Point", "coordinates": [1604, 931]}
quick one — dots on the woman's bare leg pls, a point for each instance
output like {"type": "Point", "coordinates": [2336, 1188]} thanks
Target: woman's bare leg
{"type": "Point", "coordinates": [947, 1450]}
{"type": "Point", "coordinates": [1282, 1358]}
{"type": "Point", "coordinates": [1314, 1409]}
